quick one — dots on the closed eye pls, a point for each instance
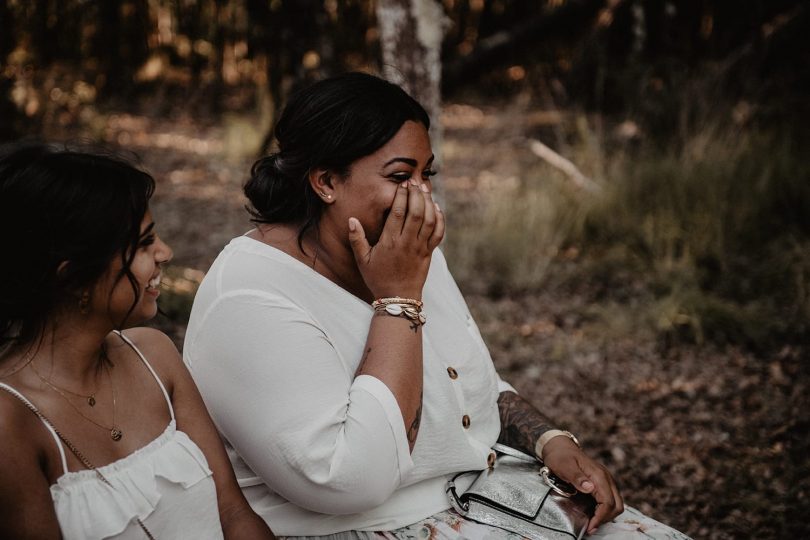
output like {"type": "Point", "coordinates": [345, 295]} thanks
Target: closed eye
{"type": "Point", "coordinates": [400, 177]}
{"type": "Point", "coordinates": [148, 240]}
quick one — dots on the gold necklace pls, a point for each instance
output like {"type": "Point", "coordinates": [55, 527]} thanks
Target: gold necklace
{"type": "Point", "coordinates": [91, 399]}
{"type": "Point", "coordinates": [116, 433]}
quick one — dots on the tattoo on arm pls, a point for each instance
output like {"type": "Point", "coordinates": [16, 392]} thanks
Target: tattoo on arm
{"type": "Point", "coordinates": [521, 423]}
{"type": "Point", "coordinates": [417, 420]}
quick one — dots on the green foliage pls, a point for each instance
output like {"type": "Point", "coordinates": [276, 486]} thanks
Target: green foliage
{"type": "Point", "coordinates": [724, 222]}
{"type": "Point", "coordinates": [708, 240]}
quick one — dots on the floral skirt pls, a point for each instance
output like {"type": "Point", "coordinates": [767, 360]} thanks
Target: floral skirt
{"type": "Point", "coordinates": [448, 525]}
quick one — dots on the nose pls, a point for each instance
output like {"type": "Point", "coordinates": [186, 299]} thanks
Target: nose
{"type": "Point", "coordinates": [163, 253]}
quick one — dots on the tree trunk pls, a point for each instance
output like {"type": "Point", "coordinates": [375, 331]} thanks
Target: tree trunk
{"type": "Point", "coordinates": [411, 34]}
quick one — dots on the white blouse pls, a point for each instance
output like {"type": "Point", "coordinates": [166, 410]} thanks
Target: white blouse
{"type": "Point", "coordinates": [274, 345]}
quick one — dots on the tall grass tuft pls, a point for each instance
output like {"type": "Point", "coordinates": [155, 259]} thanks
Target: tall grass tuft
{"type": "Point", "coordinates": [509, 235]}
{"type": "Point", "coordinates": [711, 234]}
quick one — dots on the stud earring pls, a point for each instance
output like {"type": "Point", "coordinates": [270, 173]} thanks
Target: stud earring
{"type": "Point", "coordinates": [325, 196]}
{"type": "Point", "coordinates": [84, 303]}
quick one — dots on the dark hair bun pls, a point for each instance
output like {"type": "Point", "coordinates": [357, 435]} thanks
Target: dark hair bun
{"type": "Point", "coordinates": [327, 125]}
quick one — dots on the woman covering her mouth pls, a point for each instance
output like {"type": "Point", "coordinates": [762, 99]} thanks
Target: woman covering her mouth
{"type": "Point", "coordinates": [335, 352]}
{"type": "Point", "coordinates": [103, 433]}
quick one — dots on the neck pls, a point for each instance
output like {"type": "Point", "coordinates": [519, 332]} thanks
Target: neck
{"type": "Point", "coordinates": [70, 349]}
{"type": "Point", "coordinates": [333, 258]}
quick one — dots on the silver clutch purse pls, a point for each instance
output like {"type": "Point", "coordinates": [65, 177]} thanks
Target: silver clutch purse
{"type": "Point", "coordinates": [521, 495]}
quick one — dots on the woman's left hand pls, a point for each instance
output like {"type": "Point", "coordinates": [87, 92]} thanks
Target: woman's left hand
{"type": "Point", "coordinates": [571, 464]}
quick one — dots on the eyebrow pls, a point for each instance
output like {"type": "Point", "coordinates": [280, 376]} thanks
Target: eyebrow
{"type": "Point", "coordinates": [407, 161]}
{"type": "Point", "coordinates": [148, 229]}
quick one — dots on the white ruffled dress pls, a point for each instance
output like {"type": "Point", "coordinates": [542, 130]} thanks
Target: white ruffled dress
{"type": "Point", "coordinates": [167, 484]}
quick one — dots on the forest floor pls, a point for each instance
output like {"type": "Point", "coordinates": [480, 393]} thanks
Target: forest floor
{"type": "Point", "coordinates": [712, 441]}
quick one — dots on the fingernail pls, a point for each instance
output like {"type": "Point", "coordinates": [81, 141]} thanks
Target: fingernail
{"type": "Point", "coordinates": [413, 182]}
{"type": "Point", "coordinates": [437, 207]}
{"type": "Point", "coordinates": [404, 185]}
{"type": "Point", "coordinates": [423, 187]}
{"type": "Point", "coordinates": [352, 224]}
{"type": "Point", "coordinates": [587, 485]}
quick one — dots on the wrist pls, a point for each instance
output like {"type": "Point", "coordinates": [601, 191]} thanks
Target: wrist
{"type": "Point", "coordinates": [399, 292]}
{"type": "Point", "coordinates": [541, 446]}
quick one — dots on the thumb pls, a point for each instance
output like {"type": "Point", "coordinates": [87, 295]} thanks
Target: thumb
{"type": "Point", "coordinates": [357, 239]}
{"type": "Point", "coordinates": [585, 485]}
{"type": "Point", "coordinates": [582, 481]}
{"type": "Point", "coordinates": [577, 475]}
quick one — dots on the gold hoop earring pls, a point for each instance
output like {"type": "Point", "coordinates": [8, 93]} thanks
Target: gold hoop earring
{"type": "Point", "coordinates": [84, 303]}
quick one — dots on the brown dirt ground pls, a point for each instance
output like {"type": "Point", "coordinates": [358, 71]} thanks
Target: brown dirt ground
{"type": "Point", "coordinates": [712, 441]}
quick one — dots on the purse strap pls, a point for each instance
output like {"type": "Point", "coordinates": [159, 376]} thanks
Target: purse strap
{"type": "Point", "coordinates": [509, 451]}
{"type": "Point", "coordinates": [460, 506]}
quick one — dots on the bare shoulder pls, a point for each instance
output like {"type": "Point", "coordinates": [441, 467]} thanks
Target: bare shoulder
{"type": "Point", "coordinates": [26, 508]}
{"type": "Point", "coordinates": [157, 348]}
{"type": "Point", "coordinates": [21, 435]}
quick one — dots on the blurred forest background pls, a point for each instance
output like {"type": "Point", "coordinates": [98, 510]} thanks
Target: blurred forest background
{"type": "Point", "coordinates": [626, 184]}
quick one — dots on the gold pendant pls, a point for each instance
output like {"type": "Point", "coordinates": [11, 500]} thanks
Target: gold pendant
{"type": "Point", "coordinates": [116, 434]}
{"type": "Point", "coordinates": [91, 401]}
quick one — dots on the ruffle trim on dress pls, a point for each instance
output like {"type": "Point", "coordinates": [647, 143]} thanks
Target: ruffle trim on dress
{"type": "Point", "coordinates": [90, 508]}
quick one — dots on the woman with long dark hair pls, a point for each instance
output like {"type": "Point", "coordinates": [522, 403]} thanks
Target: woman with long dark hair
{"type": "Point", "coordinates": [335, 352]}
{"type": "Point", "coordinates": [102, 431]}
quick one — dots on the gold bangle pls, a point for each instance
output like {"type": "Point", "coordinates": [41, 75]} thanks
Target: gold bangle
{"type": "Point", "coordinates": [547, 436]}
{"type": "Point", "coordinates": [396, 300]}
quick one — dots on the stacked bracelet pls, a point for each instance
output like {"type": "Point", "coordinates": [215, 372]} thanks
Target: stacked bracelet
{"type": "Point", "coordinates": [547, 436]}
{"type": "Point", "coordinates": [401, 307]}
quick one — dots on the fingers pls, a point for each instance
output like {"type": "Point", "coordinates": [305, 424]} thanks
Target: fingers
{"type": "Point", "coordinates": [415, 215]}
{"type": "Point", "coordinates": [617, 497]}
{"type": "Point", "coordinates": [438, 230]}
{"type": "Point", "coordinates": [416, 211]}
{"type": "Point", "coordinates": [429, 221]}
{"type": "Point", "coordinates": [609, 502]}
{"type": "Point", "coordinates": [396, 218]}
{"type": "Point", "coordinates": [358, 241]}
{"type": "Point", "coordinates": [587, 476]}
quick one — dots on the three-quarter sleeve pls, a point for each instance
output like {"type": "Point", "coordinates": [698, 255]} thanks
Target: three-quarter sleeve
{"type": "Point", "coordinates": [284, 399]}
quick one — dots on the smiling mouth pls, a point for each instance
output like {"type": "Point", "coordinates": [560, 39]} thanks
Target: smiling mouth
{"type": "Point", "coordinates": [154, 283]}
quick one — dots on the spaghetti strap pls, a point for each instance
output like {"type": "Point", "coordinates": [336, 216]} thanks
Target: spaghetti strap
{"type": "Point", "coordinates": [13, 391]}
{"type": "Point", "coordinates": [148, 365]}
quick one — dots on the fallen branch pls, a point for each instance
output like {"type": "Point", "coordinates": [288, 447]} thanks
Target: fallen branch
{"type": "Point", "coordinates": [563, 165]}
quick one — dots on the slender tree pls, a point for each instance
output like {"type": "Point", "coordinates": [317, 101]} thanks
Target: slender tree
{"type": "Point", "coordinates": [411, 33]}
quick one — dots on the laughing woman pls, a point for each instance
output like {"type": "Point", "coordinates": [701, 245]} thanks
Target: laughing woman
{"type": "Point", "coordinates": [102, 431]}
{"type": "Point", "coordinates": [336, 353]}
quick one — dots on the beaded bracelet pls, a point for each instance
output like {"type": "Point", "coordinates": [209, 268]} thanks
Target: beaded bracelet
{"type": "Point", "coordinates": [401, 307]}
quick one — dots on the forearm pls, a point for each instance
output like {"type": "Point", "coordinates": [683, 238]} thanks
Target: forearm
{"type": "Point", "coordinates": [521, 423]}
{"type": "Point", "coordinates": [242, 523]}
{"type": "Point", "coordinates": [393, 354]}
